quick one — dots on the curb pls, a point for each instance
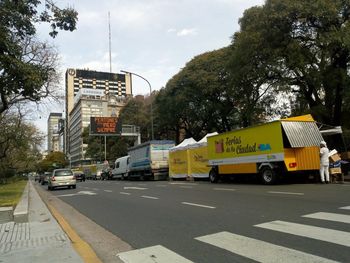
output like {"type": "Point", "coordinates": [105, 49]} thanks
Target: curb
{"type": "Point", "coordinates": [81, 247]}
{"type": "Point", "coordinates": [20, 214]}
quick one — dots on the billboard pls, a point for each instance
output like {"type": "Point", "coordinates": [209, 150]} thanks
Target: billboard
{"type": "Point", "coordinates": [104, 126]}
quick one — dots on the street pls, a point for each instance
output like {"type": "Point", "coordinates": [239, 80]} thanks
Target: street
{"type": "Point", "coordinates": [201, 222]}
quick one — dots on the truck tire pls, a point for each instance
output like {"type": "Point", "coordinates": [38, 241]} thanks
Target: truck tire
{"type": "Point", "coordinates": [213, 175]}
{"type": "Point", "coordinates": [268, 176]}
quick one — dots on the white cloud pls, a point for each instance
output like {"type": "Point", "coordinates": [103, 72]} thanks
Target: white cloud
{"type": "Point", "coordinates": [187, 32]}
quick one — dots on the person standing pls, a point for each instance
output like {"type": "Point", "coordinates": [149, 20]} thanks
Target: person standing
{"type": "Point", "coordinates": [324, 162]}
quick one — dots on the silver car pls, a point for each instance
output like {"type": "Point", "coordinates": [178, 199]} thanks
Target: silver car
{"type": "Point", "coordinates": [62, 177]}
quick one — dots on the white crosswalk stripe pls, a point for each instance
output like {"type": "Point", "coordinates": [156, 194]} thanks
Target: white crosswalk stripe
{"type": "Point", "coordinates": [258, 250]}
{"type": "Point", "coordinates": [254, 249]}
{"type": "Point", "coordinates": [155, 254]}
{"type": "Point", "coordinates": [330, 217]}
{"type": "Point", "coordinates": [324, 234]}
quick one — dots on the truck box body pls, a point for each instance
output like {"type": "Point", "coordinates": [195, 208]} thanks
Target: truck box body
{"type": "Point", "coordinates": [149, 160]}
{"type": "Point", "coordinates": [290, 145]}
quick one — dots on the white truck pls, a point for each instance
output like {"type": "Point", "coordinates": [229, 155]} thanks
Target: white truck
{"type": "Point", "coordinates": [121, 168]}
{"type": "Point", "coordinates": [150, 160]}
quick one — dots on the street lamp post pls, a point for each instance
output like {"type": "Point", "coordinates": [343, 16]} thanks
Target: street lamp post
{"type": "Point", "coordinates": [150, 94]}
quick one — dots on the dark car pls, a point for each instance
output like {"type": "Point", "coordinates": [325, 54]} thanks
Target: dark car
{"type": "Point", "coordinates": [44, 178]}
{"type": "Point", "coordinates": [79, 176]}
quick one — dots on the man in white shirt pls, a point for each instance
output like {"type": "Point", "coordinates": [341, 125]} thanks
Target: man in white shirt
{"type": "Point", "coordinates": [324, 162]}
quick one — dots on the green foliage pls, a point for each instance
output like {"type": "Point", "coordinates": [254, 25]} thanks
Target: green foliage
{"type": "Point", "coordinates": [19, 145]}
{"type": "Point", "coordinates": [27, 66]}
{"type": "Point", "coordinates": [53, 160]}
{"type": "Point", "coordinates": [116, 147]}
{"type": "Point", "coordinates": [301, 47]}
{"type": "Point", "coordinates": [197, 99]}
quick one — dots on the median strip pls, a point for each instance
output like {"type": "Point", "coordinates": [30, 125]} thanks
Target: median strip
{"type": "Point", "coordinates": [199, 205]}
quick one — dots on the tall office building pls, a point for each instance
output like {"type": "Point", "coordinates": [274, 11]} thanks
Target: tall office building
{"type": "Point", "coordinates": [53, 138]}
{"type": "Point", "coordinates": [91, 94]}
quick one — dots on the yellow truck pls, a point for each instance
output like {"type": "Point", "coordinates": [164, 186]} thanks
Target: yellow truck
{"type": "Point", "coordinates": [269, 150]}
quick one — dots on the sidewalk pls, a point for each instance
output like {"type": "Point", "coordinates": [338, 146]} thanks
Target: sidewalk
{"type": "Point", "coordinates": [41, 239]}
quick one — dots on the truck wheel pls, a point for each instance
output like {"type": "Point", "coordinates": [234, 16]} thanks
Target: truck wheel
{"type": "Point", "coordinates": [268, 176]}
{"type": "Point", "coordinates": [213, 176]}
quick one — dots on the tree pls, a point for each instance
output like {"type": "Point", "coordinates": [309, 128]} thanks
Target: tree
{"type": "Point", "coordinates": [19, 144]}
{"type": "Point", "coordinates": [53, 160]}
{"type": "Point", "coordinates": [137, 112]}
{"type": "Point", "coordinates": [304, 46]}
{"type": "Point", "coordinates": [27, 66]}
{"type": "Point", "coordinates": [197, 99]}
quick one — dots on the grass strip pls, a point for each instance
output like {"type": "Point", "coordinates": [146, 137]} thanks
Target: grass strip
{"type": "Point", "coordinates": [11, 192]}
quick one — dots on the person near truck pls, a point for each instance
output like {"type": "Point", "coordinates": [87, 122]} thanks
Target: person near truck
{"type": "Point", "coordinates": [324, 162]}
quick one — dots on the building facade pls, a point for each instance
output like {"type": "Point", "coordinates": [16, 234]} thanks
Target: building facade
{"type": "Point", "coordinates": [53, 137]}
{"type": "Point", "coordinates": [91, 94]}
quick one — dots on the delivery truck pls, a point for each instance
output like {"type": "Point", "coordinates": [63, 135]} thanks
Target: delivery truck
{"type": "Point", "coordinates": [150, 160]}
{"type": "Point", "coordinates": [270, 150]}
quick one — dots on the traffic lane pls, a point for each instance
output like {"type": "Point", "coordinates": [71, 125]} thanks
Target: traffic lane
{"type": "Point", "coordinates": [139, 221]}
{"type": "Point", "coordinates": [203, 194]}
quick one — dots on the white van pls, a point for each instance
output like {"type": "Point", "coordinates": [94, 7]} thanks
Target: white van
{"type": "Point", "coordinates": [121, 168]}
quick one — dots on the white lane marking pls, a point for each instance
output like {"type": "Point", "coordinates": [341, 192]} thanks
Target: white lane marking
{"type": "Point", "coordinates": [134, 188]}
{"type": "Point", "coordinates": [224, 189]}
{"type": "Point", "coordinates": [108, 191]}
{"type": "Point", "coordinates": [155, 254]}
{"type": "Point", "coordinates": [345, 207]}
{"type": "Point", "coordinates": [258, 250]}
{"type": "Point", "coordinates": [324, 234]}
{"type": "Point", "coordinates": [330, 217]}
{"type": "Point", "coordinates": [124, 193]}
{"type": "Point", "coordinates": [149, 197]}
{"type": "Point", "coordinates": [87, 193]}
{"type": "Point", "coordinates": [183, 183]}
{"type": "Point", "coordinates": [285, 193]}
{"type": "Point", "coordinates": [66, 195]}
{"type": "Point", "coordinates": [199, 205]}
{"type": "Point", "coordinates": [185, 186]}
{"type": "Point", "coordinates": [78, 193]}
{"type": "Point", "coordinates": [96, 189]}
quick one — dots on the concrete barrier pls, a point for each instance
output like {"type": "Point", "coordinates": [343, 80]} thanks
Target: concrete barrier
{"type": "Point", "coordinates": [6, 214]}
{"type": "Point", "coordinates": [20, 215]}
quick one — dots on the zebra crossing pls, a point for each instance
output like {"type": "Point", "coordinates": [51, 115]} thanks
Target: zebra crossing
{"type": "Point", "coordinates": [255, 249]}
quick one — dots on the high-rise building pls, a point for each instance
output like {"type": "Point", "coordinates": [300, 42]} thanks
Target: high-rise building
{"type": "Point", "coordinates": [91, 94]}
{"type": "Point", "coordinates": [53, 139]}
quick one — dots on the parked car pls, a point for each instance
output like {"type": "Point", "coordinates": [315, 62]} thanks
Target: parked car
{"type": "Point", "coordinates": [79, 176]}
{"type": "Point", "coordinates": [44, 178]}
{"type": "Point", "coordinates": [62, 177]}
{"type": "Point", "coordinates": [37, 177]}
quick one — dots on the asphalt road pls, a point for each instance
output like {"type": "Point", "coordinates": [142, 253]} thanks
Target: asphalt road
{"type": "Point", "coordinates": [203, 222]}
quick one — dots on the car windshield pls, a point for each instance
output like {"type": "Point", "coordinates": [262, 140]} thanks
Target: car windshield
{"type": "Point", "coordinates": [63, 173]}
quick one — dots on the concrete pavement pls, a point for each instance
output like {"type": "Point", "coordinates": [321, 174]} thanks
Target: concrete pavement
{"type": "Point", "coordinates": [40, 239]}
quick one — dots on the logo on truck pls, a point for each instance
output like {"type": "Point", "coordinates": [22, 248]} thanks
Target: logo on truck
{"type": "Point", "coordinates": [235, 145]}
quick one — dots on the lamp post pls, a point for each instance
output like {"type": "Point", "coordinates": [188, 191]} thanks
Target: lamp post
{"type": "Point", "coordinates": [150, 93]}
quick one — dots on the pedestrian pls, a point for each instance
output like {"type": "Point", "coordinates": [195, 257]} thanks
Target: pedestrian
{"type": "Point", "coordinates": [324, 162]}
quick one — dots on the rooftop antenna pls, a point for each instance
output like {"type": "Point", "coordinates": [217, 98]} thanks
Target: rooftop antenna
{"type": "Point", "coordinates": [110, 43]}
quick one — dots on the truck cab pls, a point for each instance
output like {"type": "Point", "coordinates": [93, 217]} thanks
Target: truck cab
{"type": "Point", "coordinates": [121, 168]}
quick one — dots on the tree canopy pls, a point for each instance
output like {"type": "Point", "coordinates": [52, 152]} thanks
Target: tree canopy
{"type": "Point", "coordinates": [28, 67]}
{"type": "Point", "coordinates": [301, 47]}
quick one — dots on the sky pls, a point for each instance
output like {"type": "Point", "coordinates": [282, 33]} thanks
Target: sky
{"type": "Point", "coordinates": [153, 38]}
